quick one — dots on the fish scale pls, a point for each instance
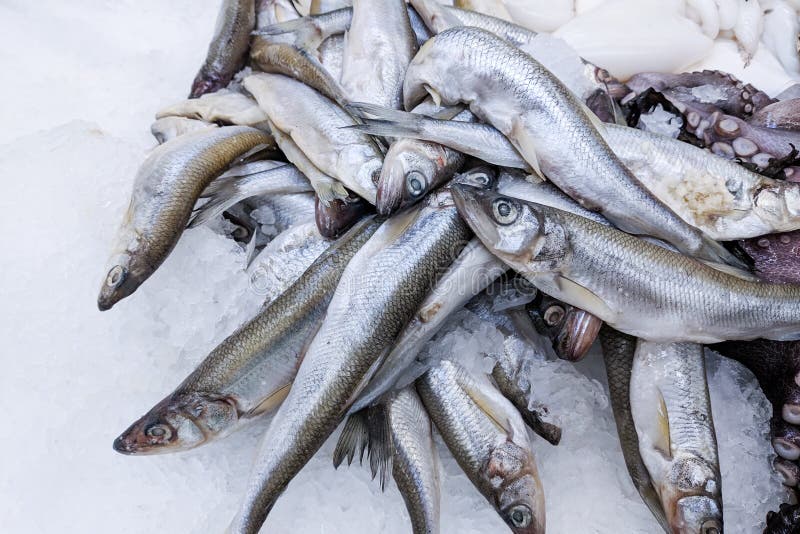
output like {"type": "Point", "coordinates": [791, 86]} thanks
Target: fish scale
{"type": "Point", "coordinates": [366, 313]}
{"type": "Point", "coordinates": [550, 127]}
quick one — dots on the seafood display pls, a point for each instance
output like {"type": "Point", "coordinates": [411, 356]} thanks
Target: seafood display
{"type": "Point", "coordinates": [391, 171]}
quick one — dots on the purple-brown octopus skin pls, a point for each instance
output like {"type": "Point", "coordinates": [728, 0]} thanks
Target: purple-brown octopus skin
{"type": "Point", "coordinates": [785, 521]}
{"type": "Point", "coordinates": [776, 364]}
{"type": "Point", "coordinates": [707, 88]}
{"type": "Point", "coordinates": [783, 115]}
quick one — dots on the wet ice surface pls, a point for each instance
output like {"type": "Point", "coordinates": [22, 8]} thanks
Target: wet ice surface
{"type": "Point", "coordinates": [73, 377]}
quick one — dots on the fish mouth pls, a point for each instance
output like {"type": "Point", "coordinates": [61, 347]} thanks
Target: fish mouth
{"type": "Point", "coordinates": [577, 335]}
{"type": "Point", "coordinates": [389, 197]}
{"type": "Point", "coordinates": [469, 205]}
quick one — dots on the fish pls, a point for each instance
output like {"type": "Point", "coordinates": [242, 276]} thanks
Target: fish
{"type": "Point", "coordinates": [618, 353]}
{"type": "Point", "coordinates": [540, 117]}
{"type": "Point", "coordinates": [166, 188]}
{"type": "Point", "coordinates": [171, 127]}
{"type": "Point", "coordinates": [381, 288]}
{"type": "Point", "coordinates": [228, 49]}
{"type": "Point", "coordinates": [252, 370]}
{"type": "Point", "coordinates": [252, 179]}
{"type": "Point", "coordinates": [269, 12]}
{"type": "Point", "coordinates": [721, 198]}
{"type": "Point", "coordinates": [319, 7]}
{"type": "Point", "coordinates": [671, 411]}
{"type": "Point", "coordinates": [295, 62]}
{"type": "Point", "coordinates": [512, 369]}
{"type": "Point", "coordinates": [412, 168]}
{"type": "Point", "coordinates": [315, 124]}
{"type": "Point", "coordinates": [223, 106]}
{"type": "Point", "coordinates": [637, 287]}
{"type": "Point", "coordinates": [473, 270]}
{"type": "Point", "coordinates": [309, 32]}
{"type": "Point", "coordinates": [339, 215]}
{"type": "Point", "coordinates": [489, 441]}
{"type": "Point", "coordinates": [397, 436]}
{"type": "Point", "coordinates": [571, 330]}
{"type": "Point", "coordinates": [378, 47]}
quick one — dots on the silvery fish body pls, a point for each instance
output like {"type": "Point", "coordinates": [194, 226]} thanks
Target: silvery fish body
{"type": "Point", "coordinates": [379, 292]}
{"type": "Point", "coordinates": [228, 49]}
{"type": "Point", "coordinates": [251, 371]}
{"type": "Point", "coordinates": [618, 353]}
{"type": "Point", "coordinates": [553, 130]}
{"type": "Point", "coordinates": [317, 126]}
{"type": "Point", "coordinates": [671, 409]}
{"type": "Point", "coordinates": [635, 286]}
{"type": "Point", "coordinates": [378, 48]}
{"type": "Point", "coordinates": [488, 439]}
{"type": "Point", "coordinates": [166, 187]}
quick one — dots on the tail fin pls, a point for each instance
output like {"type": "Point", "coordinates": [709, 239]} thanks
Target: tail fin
{"type": "Point", "coordinates": [367, 431]}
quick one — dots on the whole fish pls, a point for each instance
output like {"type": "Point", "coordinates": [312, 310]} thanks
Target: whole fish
{"type": "Point", "coordinates": [171, 127]}
{"type": "Point", "coordinates": [378, 48]}
{"type": "Point", "coordinates": [671, 410]}
{"type": "Point", "coordinates": [635, 286]}
{"type": "Point", "coordinates": [397, 432]}
{"type": "Point", "coordinates": [488, 439]}
{"type": "Point", "coordinates": [716, 195]}
{"type": "Point", "coordinates": [223, 106]}
{"type": "Point", "coordinates": [252, 179]}
{"type": "Point", "coordinates": [167, 185]}
{"type": "Point", "coordinates": [550, 127]}
{"type": "Point", "coordinates": [249, 373]}
{"type": "Point", "coordinates": [228, 49]}
{"type": "Point", "coordinates": [618, 353]}
{"type": "Point", "coordinates": [380, 290]}
{"type": "Point", "coordinates": [316, 125]}
{"type": "Point", "coordinates": [473, 270]}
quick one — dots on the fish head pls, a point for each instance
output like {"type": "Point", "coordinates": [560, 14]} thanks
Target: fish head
{"type": "Point", "coordinates": [571, 330]}
{"type": "Point", "coordinates": [481, 177]}
{"type": "Point", "coordinates": [408, 174]}
{"type": "Point", "coordinates": [518, 493]}
{"type": "Point", "coordinates": [178, 423]}
{"type": "Point", "coordinates": [699, 514]}
{"type": "Point", "coordinates": [519, 233]}
{"type": "Point", "coordinates": [128, 271]}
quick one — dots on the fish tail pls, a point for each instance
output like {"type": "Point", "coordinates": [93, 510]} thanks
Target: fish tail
{"type": "Point", "coordinates": [367, 431]}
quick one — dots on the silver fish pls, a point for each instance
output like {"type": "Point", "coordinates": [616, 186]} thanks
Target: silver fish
{"type": "Point", "coordinates": [228, 49]}
{"type": "Point", "coordinates": [171, 127]}
{"type": "Point", "coordinates": [488, 439]}
{"type": "Point", "coordinates": [224, 106]}
{"type": "Point", "coordinates": [249, 373]}
{"type": "Point", "coordinates": [269, 12]}
{"type": "Point", "coordinates": [550, 127]}
{"type": "Point", "coordinates": [473, 270]}
{"type": "Point", "coordinates": [635, 286]}
{"type": "Point", "coordinates": [618, 352]}
{"type": "Point", "coordinates": [378, 48]}
{"type": "Point", "coordinates": [671, 409]}
{"type": "Point", "coordinates": [167, 185]}
{"type": "Point", "coordinates": [379, 292]}
{"type": "Point", "coordinates": [315, 124]}
{"type": "Point", "coordinates": [252, 179]}
{"type": "Point", "coordinates": [716, 195]}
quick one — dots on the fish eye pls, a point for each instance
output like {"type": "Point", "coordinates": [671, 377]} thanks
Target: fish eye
{"type": "Point", "coordinates": [159, 432]}
{"type": "Point", "coordinates": [554, 315]}
{"type": "Point", "coordinates": [505, 212]}
{"type": "Point", "coordinates": [415, 181]}
{"type": "Point", "coordinates": [520, 516]}
{"type": "Point", "coordinates": [481, 178]}
{"type": "Point", "coordinates": [115, 276]}
{"type": "Point", "coordinates": [710, 527]}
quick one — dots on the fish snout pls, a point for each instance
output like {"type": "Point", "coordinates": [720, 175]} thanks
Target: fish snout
{"type": "Point", "coordinates": [577, 335]}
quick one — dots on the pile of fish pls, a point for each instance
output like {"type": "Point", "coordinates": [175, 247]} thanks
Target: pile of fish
{"type": "Point", "coordinates": [420, 159]}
